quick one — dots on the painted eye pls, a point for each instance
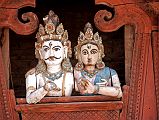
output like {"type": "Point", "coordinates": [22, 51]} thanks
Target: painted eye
{"type": "Point", "coordinates": [46, 49]}
{"type": "Point", "coordinates": [56, 49]}
{"type": "Point", "coordinates": [84, 52]}
{"type": "Point", "coordinates": [94, 51]}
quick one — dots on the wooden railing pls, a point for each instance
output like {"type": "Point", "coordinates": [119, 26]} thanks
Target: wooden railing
{"type": "Point", "coordinates": [75, 107]}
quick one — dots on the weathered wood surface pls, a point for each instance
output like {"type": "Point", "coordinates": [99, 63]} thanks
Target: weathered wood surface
{"type": "Point", "coordinates": [73, 106]}
{"type": "Point", "coordinates": [135, 13]}
{"type": "Point", "coordinates": [142, 15]}
{"type": "Point", "coordinates": [71, 99]}
{"type": "Point", "coordinates": [9, 16]}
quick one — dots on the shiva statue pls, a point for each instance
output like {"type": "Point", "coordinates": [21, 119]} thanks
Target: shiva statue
{"type": "Point", "coordinates": [53, 75]}
{"type": "Point", "coordinates": [91, 75]}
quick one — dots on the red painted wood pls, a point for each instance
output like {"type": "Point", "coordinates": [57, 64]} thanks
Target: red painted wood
{"type": "Point", "coordinates": [149, 107]}
{"type": "Point", "coordinates": [9, 19]}
{"type": "Point", "coordinates": [7, 103]}
{"type": "Point", "coordinates": [144, 81]}
{"type": "Point", "coordinates": [16, 3]}
{"type": "Point", "coordinates": [71, 99]}
{"type": "Point", "coordinates": [155, 49]}
{"type": "Point", "coordinates": [73, 106]}
{"type": "Point", "coordinates": [125, 102]}
{"type": "Point", "coordinates": [133, 14]}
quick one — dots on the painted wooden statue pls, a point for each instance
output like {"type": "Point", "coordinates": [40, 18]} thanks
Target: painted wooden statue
{"type": "Point", "coordinates": [53, 74]}
{"type": "Point", "coordinates": [91, 75]}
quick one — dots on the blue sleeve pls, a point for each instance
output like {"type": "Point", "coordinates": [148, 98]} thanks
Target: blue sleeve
{"type": "Point", "coordinates": [105, 73]}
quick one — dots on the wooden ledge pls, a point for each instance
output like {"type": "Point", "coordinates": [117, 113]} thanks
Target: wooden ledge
{"type": "Point", "coordinates": [97, 98]}
{"type": "Point", "coordinates": [67, 107]}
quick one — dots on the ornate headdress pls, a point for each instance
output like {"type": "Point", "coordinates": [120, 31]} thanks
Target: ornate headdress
{"type": "Point", "coordinates": [52, 29]}
{"type": "Point", "coordinates": [89, 37]}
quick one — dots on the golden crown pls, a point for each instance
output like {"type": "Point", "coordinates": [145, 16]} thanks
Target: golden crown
{"type": "Point", "coordinates": [89, 37]}
{"type": "Point", "coordinates": [52, 29]}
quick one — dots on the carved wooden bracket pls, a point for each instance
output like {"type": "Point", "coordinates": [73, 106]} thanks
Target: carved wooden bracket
{"type": "Point", "coordinates": [9, 16]}
{"type": "Point", "coordinates": [9, 19]}
{"type": "Point", "coordinates": [128, 12]}
{"type": "Point", "coordinates": [124, 14]}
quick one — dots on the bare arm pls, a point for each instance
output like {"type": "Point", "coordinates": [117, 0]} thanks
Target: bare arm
{"type": "Point", "coordinates": [114, 90]}
{"type": "Point", "coordinates": [69, 84]}
{"type": "Point", "coordinates": [33, 95]}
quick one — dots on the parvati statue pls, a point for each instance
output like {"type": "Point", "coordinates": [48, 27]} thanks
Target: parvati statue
{"type": "Point", "coordinates": [91, 75]}
{"type": "Point", "coordinates": [53, 74]}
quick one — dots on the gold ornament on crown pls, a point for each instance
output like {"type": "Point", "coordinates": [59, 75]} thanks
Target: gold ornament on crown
{"type": "Point", "coordinates": [89, 37]}
{"type": "Point", "coordinates": [52, 29]}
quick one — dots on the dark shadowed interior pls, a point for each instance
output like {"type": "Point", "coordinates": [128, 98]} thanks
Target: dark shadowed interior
{"type": "Point", "coordinates": [74, 15]}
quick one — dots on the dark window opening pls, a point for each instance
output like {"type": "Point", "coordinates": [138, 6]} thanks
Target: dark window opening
{"type": "Point", "coordinates": [74, 15]}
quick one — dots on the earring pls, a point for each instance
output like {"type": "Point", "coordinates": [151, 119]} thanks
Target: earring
{"type": "Point", "coordinates": [66, 65]}
{"type": "Point", "coordinates": [79, 66]}
{"type": "Point", "coordinates": [40, 55]}
{"type": "Point", "coordinates": [100, 64]}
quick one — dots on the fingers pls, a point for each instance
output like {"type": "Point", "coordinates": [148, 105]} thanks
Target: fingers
{"type": "Point", "coordinates": [85, 86]}
{"type": "Point", "coordinates": [50, 85]}
{"type": "Point", "coordinates": [84, 82]}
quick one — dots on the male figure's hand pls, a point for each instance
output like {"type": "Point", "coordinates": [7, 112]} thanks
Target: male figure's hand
{"type": "Point", "coordinates": [50, 85]}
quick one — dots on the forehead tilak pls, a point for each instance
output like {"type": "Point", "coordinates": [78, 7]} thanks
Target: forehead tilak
{"type": "Point", "coordinates": [88, 46]}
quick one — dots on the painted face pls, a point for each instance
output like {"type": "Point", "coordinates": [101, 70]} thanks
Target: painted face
{"type": "Point", "coordinates": [52, 52]}
{"type": "Point", "coordinates": [89, 54]}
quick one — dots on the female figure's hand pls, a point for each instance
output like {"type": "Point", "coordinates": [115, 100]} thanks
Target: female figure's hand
{"type": "Point", "coordinates": [85, 86]}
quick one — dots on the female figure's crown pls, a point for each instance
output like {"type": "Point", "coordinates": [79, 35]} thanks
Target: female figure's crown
{"type": "Point", "coordinates": [88, 36]}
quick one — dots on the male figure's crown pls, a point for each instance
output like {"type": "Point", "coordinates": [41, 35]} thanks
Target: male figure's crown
{"type": "Point", "coordinates": [52, 29]}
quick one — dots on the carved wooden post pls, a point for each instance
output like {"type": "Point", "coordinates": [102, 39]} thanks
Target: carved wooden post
{"type": "Point", "coordinates": [129, 12]}
{"type": "Point", "coordinates": [155, 45]}
{"type": "Point", "coordinates": [9, 19]}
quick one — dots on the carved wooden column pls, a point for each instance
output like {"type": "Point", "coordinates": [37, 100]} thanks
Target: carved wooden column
{"type": "Point", "coordinates": [9, 19]}
{"type": "Point", "coordinates": [155, 43]}
{"type": "Point", "coordinates": [152, 9]}
{"type": "Point", "coordinates": [141, 75]}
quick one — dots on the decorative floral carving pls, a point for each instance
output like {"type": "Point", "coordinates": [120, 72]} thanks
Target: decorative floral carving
{"type": "Point", "coordinates": [130, 14]}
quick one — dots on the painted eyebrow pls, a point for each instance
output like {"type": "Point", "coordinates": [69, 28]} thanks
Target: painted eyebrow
{"type": "Point", "coordinates": [57, 47]}
{"type": "Point", "coordinates": [94, 50]}
{"type": "Point", "coordinates": [45, 46]}
{"type": "Point", "coordinates": [84, 50]}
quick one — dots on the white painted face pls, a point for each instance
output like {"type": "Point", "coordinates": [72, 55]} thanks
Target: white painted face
{"type": "Point", "coordinates": [52, 52]}
{"type": "Point", "coordinates": [89, 54]}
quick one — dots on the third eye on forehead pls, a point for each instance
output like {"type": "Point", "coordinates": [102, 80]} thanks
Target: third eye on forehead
{"type": "Point", "coordinates": [89, 46]}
